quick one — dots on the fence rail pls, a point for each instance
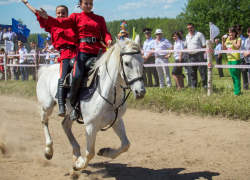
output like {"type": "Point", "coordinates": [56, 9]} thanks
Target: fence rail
{"type": "Point", "coordinates": [209, 49]}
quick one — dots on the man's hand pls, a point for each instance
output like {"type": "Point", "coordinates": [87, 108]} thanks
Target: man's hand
{"type": "Point", "coordinates": [145, 58]}
{"type": "Point", "coordinates": [245, 54]}
{"type": "Point", "coordinates": [24, 1]}
{"type": "Point", "coordinates": [166, 56]}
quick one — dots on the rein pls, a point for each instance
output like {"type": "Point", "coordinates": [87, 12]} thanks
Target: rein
{"type": "Point", "coordinates": [128, 83]}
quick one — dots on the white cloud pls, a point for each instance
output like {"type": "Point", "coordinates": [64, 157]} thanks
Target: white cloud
{"type": "Point", "coordinates": [145, 3]}
{"type": "Point", "coordinates": [134, 6]}
{"type": "Point", "coordinates": [171, 14]}
{"type": "Point", "coordinates": [5, 2]}
{"type": "Point", "coordinates": [167, 6]}
{"type": "Point", "coordinates": [163, 1]}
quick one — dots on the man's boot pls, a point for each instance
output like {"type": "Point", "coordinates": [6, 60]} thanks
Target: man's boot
{"type": "Point", "coordinates": [62, 94]}
{"type": "Point", "coordinates": [75, 86]}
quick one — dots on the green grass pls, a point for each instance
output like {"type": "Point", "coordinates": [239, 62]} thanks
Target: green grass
{"type": "Point", "coordinates": [26, 89]}
{"type": "Point", "coordinates": [221, 103]}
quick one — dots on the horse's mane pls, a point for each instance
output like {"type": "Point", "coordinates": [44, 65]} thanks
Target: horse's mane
{"type": "Point", "coordinates": [116, 49]}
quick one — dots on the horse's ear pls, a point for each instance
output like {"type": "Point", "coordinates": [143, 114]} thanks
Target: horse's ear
{"type": "Point", "coordinates": [137, 40]}
{"type": "Point", "coordinates": [120, 44]}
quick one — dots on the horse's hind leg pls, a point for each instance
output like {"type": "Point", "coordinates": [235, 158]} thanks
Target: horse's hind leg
{"type": "Point", "coordinates": [119, 129]}
{"type": "Point", "coordinates": [45, 113]}
{"type": "Point", "coordinates": [67, 124]}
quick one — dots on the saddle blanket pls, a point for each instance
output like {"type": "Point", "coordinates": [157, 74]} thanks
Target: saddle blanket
{"type": "Point", "coordinates": [86, 92]}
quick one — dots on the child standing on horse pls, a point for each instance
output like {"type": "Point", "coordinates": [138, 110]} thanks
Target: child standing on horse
{"type": "Point", "coordinates": [90, 29]}
{"type": "Point", "coordinates": [63, 40]}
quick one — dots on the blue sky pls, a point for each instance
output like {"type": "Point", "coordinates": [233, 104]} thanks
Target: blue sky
{"type": "Point", "coordinates": [109, 9]}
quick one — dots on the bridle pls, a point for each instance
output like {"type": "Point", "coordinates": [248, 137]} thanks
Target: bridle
{"type": "Point", "coordinates": [128, 83]}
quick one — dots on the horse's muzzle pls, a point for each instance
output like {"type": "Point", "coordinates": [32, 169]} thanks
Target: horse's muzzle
{"type": "Point", "coordinates": [140, 94]}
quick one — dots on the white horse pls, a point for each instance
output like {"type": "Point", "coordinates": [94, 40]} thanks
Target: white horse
{"type": "Point", "coordinates": [115, 70]}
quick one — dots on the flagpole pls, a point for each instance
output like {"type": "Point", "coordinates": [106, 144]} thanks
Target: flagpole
{"type": "Point", "coordinates": [210, 32]}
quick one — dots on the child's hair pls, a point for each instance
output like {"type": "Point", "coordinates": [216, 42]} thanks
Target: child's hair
{"type": "Point", "coordinates": [63, 6]}
{"type": "Point", "coordinates": [176, 33]}
{"type": "Point", "coordinates": [248, 30]}
{"type": "Point", "coordinates": [233, 29]}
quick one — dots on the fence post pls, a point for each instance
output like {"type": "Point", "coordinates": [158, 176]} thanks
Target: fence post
{"type": "Point", "coordinates": [36, 63]}
{"type": "Point", "coordinates": [5, 66]}
{"type": "Point", "coordinates": [210, 67]}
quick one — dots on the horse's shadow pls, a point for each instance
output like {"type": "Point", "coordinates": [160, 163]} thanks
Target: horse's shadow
{"type": "Point", "coordinates": [122, 172]}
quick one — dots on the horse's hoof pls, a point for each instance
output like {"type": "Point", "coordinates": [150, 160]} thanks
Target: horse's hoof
{"type": "Point", "coordinates": [75, 169]}
{"type": "Point", "coordinates": [49, 157]}
{"type": "Point", "coordinates": [101, 152]}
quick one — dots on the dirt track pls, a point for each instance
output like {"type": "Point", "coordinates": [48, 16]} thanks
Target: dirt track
{"type": "Point", "coordinates": [163, 146]}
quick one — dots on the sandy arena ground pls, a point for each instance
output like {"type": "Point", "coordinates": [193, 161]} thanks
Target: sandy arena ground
{"type": "Point", "coordinates": [163, 146]}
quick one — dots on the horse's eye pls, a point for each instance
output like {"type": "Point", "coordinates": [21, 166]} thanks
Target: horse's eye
{"type": "Point", "coordinates": [126, 64]}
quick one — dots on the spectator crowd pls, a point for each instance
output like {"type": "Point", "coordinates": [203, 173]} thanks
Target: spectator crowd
{"type": "Point", "coordinates": [153, 77]}
{"type": "Point", "coordinates": [23, 72]}
{"type": "Point", "coordinates": [194, 40]}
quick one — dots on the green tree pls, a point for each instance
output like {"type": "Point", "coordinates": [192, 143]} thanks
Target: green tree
{"type": "Point", "coordinates": [21, 21]}
{"type": "Point", "coordinates": [222, 13]}
{"type": "Point", "coordinates": [33, 37]}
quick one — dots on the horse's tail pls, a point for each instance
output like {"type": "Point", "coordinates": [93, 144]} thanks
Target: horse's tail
{"type": "Point", "coordinates": [41, 70]}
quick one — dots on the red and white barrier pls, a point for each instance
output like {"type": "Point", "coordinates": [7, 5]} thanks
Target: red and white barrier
{"type": "Point", "coordinates": [196, 50]}
{"type": "Point", "coordinates": [176, 64]}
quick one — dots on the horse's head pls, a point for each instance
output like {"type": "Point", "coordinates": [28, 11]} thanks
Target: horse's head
{"type": "Point", "coordinates": [132, 66]}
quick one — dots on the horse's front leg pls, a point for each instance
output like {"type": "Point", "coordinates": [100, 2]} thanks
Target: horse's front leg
{"type": "Point", "coordinates": [45, 113]}
{"type": "Point", "coordinates": [81, 162]}
{"type": "Point", "coordinates": [119, 129]}
{"type": "Point", "coordinates": [67, 125]}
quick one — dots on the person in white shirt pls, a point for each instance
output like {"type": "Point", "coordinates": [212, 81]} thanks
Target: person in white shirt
{"type": "Point", "coordinates": [218, 56]}
{"type": "Point", "coordinates": [5, 34]}
{"type": "Point", "coordinates": [196, 40]}
{"type": "Point", "coordinates": [178, 56]}
{"type": "Point", "coordinates": [23, 61]}
{"type": "Point", "coordinates": [12, 36]}
{"type": "Point", "coordinates": [185, 57]}
{"type": "Point", "coordinates": [49, 48]}
{"type": "Point", "coordinates": [31, 58]}
{"type": "Point", "coordinates": [162, 58]}
{"type": "Point", "coordinates": [149, 58]}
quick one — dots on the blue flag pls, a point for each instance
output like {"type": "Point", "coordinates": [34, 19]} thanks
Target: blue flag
{"type": "Point", "coordinates": [19, 28]}
{"type": "Point", "coordinates": [40, 41]}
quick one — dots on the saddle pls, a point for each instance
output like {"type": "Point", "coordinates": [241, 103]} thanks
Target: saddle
{"type": "Point", "coordinates": [89, 81]}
